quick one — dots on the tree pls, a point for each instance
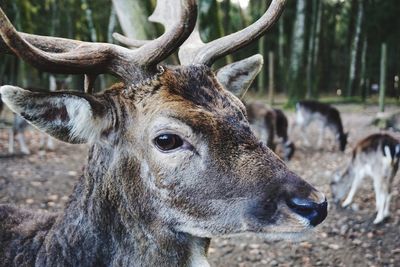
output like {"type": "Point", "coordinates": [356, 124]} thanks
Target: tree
{"type": "Point", "coordinates": [313, 45]}
{"type": "Point", "coordinates": [355, 51]}
{"type": "Point", "coordinates": [132, 16]}
{"type": "Point", "coordinates": [382, 83]}
{"type": "Point", "coordinates": [261, 48]}
{"type": "Point", "coordinates": [296, 84]}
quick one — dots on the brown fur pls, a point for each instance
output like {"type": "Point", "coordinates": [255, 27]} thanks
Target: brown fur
{"type": "Point", "coordinates": [374, 141]}
{"type": "Point", "coordinates": [274, 122]}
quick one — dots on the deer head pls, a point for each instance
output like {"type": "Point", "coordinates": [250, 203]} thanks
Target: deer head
{"type": "Point", "coordinates": [171, 143]}
{"type": "Point", "coordinates": [341, 183]}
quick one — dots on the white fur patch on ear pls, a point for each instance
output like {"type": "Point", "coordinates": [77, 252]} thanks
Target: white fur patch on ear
{"type": "Point", "coordinates": [81, 122]}
{"type": "Point", "coordinates": [238, 76]}
{"type": "Point", "coordinates": [66, 116]}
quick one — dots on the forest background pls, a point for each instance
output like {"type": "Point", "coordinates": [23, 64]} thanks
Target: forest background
{"type": "Point", "coordinates": [345, 49]}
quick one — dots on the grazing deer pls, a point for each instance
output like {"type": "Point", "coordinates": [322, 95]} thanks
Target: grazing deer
{"type": "Point", "coordinates": [172, 160]}
{"type": "Point", "coordinates": [376, 156]}
{"type": "Point", "coordinates": [20, 125]}
{"type": "Point", "coordinates": [328, 116]}
{"type": "Point", "coordinates": [267, 123]}
{"type": "Point", "coordinates": [17, 130]}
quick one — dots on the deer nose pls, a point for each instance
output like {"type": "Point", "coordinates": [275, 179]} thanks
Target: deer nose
{"type": "Point", "coordinates": [315, 212]}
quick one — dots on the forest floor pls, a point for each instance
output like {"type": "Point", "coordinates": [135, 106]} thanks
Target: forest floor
{"type": "Point", "coordinates": [44, 180]}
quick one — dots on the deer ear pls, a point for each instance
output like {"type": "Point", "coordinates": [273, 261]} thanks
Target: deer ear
{"type": "Point", "coordinates": [68, 116]}
{"type": "Point", "coordinates": [238, 76]}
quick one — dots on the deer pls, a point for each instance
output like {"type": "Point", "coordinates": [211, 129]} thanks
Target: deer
{"type": "Point", "coordinates": [376, 156]}
{"type": "Point", "coordinates": [267, 123]}
{"type": "Point", "coordinates": [20, 125]}
{"type": "Point", "coordinates": [16, 129]}
{"type": "Point", "coordinates": [328, 116]}
{"type": "Point", "coordinates": [172, 160]}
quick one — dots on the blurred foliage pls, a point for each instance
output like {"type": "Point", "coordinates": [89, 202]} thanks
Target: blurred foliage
{"type": "Point", "coordinates": [67, 18]}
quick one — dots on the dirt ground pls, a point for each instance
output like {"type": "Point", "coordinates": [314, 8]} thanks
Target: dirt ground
{"type": "Point", "coordinates": [43, 180]}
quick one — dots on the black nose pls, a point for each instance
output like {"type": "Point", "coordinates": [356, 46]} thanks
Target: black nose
{"type": "Point", "coordinates": [314, 212]}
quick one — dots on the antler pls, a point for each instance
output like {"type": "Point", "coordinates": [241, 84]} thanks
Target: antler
{"type": "Point", "coordinates": [194, 50]}
{"type": "Point", "coordinates": [59, 55]}
{"type": "Point", "coordinates": [165, 13]}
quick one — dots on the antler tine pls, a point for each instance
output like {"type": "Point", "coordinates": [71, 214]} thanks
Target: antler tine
{"type": "Point", "coordinates": [165, 13]}
{"type": "Point", "coordinates": [58, 45]}
{"type": "Point", "coordinates": [45, 43]}
{"type": "Point", "coordinates": [176, 30]}
{"type": "Point", "coordinates": [133, 43]}
{"type": "Point", "coordinates": [195, 51]}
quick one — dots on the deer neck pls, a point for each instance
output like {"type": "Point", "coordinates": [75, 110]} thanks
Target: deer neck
{"type": "Point", "coordinates": [123, 227]}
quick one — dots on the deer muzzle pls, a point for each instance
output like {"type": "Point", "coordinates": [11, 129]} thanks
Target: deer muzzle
{"type": "Point", "coordinates": [314, 208]}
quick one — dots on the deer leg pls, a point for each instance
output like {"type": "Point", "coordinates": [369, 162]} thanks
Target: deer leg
{"type": "Point", "coordinates": [50, 143]}
{"type": "Point", "coordinates": [321, 136]}
{"type": "Point", "coordinates": [22, 143]}
{"type": "Point", "coordinates": [381, 195]}
{"type": "Point", "coordinates": [388, 197]}
{"type": "Point", "coordinates": [386, 210]}
{"type": "Point", "coordinates": [11, 141]}
{"type": "Point", "coordinates": [354, 186]}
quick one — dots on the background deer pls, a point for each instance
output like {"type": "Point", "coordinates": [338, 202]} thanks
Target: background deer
{"type": "Point", "coordinates": [308, 111]}
{"type": "Point", "coordinates": [20, 125]}
{"type": "Point", "coordinates": [377, 156]}
{"type": "Point", "coordinates": [172, 159]}
{"type": "Point", "coordinates": [15, 129]}
{"type": "Point", "coordinates": [267, 123]}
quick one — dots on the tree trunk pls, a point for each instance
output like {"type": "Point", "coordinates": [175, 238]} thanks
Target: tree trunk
{"type": "Point", "coordinates": [3, 66]}
{"type": "Point", "coordinates": [382, 82]}
{"type": "Point", "coordinates": [227, 17]}
{"type": "Point", "coordinates": [21, 65]}
{"type": "Point", "coordinates": [93, 35]}
{"type": "Point", "coordinates": [112, 22]}
{"type": "Point", "coordinates": [89, 19]}
{"type": "Point", "coordinates": [132, 16]}
{"type": "Point", "coordinates": [281, 57]}
{"type": "Point", "coordinates": [219, 21]}
{"type": "Point", "coordinates": [311, 48]}
{"type": "Point", "coordinates": [55, 19]}
{"type": "Point", "coordinates": [271, 85]}
{"type": "Point", "coordinates": [315, 84]}
{"type": "Point", "coordinates": [363, 83]}
{"type": "Point", "coordinates": [355, 51]}
{"type": "Point", "coordinates": [296, 90]}
{"type": "Point", "coordinates": [261, 50]}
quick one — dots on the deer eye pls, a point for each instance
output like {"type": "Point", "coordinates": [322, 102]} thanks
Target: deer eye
{"type": "Point", "coordinates": [166, 142]}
